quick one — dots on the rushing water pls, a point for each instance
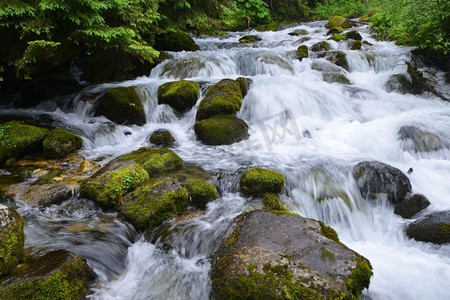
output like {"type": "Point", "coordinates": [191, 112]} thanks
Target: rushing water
{"type": "Point", "coordinates": [312, 131]}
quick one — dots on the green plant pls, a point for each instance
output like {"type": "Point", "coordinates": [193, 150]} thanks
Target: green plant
{"type": "Point", "coordinates": [257, 10]}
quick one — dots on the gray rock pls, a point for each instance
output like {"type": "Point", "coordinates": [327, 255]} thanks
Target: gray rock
{"type": "Point", "coordinates": [419, 140]}
{"type": "Point", "coordinates": [43, 194]}
{"type": "Point", "coordinates": [411, 206]}
{"type": "Point", "coordinates": [433, 228]}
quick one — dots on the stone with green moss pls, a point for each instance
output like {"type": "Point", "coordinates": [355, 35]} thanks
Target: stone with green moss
{"type": "Point", "coordinates": [17, 140]}
{"type": "Point", "coordinates": [162, 137]}
{"type": "Point", "coordinates": [154, 161]}
{"type": "Point", "coordinates": [180, 95]}
{"type": "Point", "coordinates": [432, 228]}
{"type": "Point", "coordinates": [273, 26]}
{"type": "Point", "coordinates": [354, 35]}
{"type": "Point", "coordinates": [201, 192]}
{"type": "Point", "coordinates": [415, 139]}
{"type": "Point", "coordinates": [412, 205]}
{"type": "Point", "coordinates": [175, 41]}
{"type": "Point", "coordinates": [221, 130]}
{"type": "Point", "coordinates": [112, 182]}
{"type": "Point", "coordinates": [338, 37]}
{"type": "Point", "coordinates": [272, 202]}
{"type": "Point", "coordinates": [285, 256]}
{"type": "Point", "coordinates": [59, 143]}
{"type": "Point", "coordinates": [302, 52]}
{"type": "Point", "coordinates": [122, 105]}
{"type": "Point", "coordinates": [57, 275]}
{"type": "Point", "coordinates": [338, 21]}
{"type": "Point", "coordinates": [320, 46]}
{"type": "Point", "coordinates": [248, 39]}
{"type": "Point", "coordinates": [244, 84]}
{"type": "Point", "coordinates": [335, 30]}
{"type": "Point", "coordinates": [11, 239]}
{"type": "Point", "coordinates": [257, 181]}
{"type": "Point", "coordinates": [356, 45]}
{"type": "Point", "coordinates": [337, 57]}
{"type": "Point", "coordinates": [331, 77]}
{"type": "Point", "coordinates": [298, 32]}
{"type": "Point", "coordinates": [155, 201]}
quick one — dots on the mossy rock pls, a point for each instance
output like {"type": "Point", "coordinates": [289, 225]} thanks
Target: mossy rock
{"type": "Point", "coordinates": [244, 84]}
{"type": "Point", "coordinates": [402, 84]}
{"type": "Point", "coordinates": [162, 137]}
{"type": "Point", "coordinates": [320, 46]}
{"type": "Point", "coordinates": [272, 202]}
{"type": "Point", "coordinates": [411, 206]}
{"type": "Point", "coordinates": [433, 228]}
{"type": "Point", "coordinates": [180, 95]}
{"type": "Point", "coordinates": [338, 21]}
{"type": "Point", "coordinates": [55, 275]}
{"type": "Point", "coordinates": [257, 181]}
{"type": "Point", "coordinates": [17, 140]}
{"type": "Point", "coordinates": [11, 239]}
{"type": "Point", "coordinates": [418, 140]}
{"type": "Point", "coordinates": [201, 192]}
{"type": "Point", "coordinates": [155, 201]}
{"type": "Point", "coordinates": [335, 78]}
{"type": "Point", "coordinates": [154, 161]}
{"type": "Point", "coordinates": [59, 143]}
{"type": "Point", "coordinates": [339, 58]}
{"type": "Point", "coordinates": [269, 255]}
{"type": "Point", "coordinates": [248, 39]}
{"type": "Point", "coordinates": [356, 45]}
{"type": "Point", "coordinates": [122, 105]}
{"type": "Point", "coordinates": [175, 41]}
{"type": "Point", "coordinates": [302, 52]}
{"type": "Point", "coordinates": [335, 30]}
{"type": "Point", "coordinates": [354, 35]}
{"type": "Point", "coordinates": [273, 26]}
{"type": "Point", "coordinates": [107, 186]}
{"type": "Point", "coordinates": [338, 37]}
{"type": "Point", "coordinates": [221, 130]}
{"type": "Point", "coordinates": [298, 32]}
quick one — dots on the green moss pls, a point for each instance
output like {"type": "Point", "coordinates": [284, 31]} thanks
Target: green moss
{"type": "Point", "coordinates": [59, 143]}
{"type": "Point", "coordinates": [258, 181]}
{"type": "Point", "coordinates": [201, 192]}
{"type": "Point", "coordinates": [356, 45]}
{"type": "Point", "coordinates": [243, 85]}
{"type": "Point", "coordinates": [335, 30]}
{"type": "Point", "coordinates": [248, 39]}
{"type": "Point", "coordinates": [332, 77]}
{"type": "Point", "coordinates": [360, 277]}
{"type": "Point", "coordinates": [329, 232]}
{"type": "Point", "coordinates": [122, 105]}
{"type": "Point", "coordinates": [162, 137]}
{"type": "Point", "coordinates": [326, 255]}
{"type": "Point", "coordinates": [268, 27]}
{"type": "Point", "coordinates": [11, 239]}
{"type": "Point", "coordinates": [109, 187]}
{"type": "Point", "coordinates": [338, 37]}
{"type": "Point", "coordinates": [175, 41]}
{"type": "Point", "coordinates": [298, 32]}
{"type": "Point", "coordinates": [181, 95]}
{"type": "Point", "coordinates": [47, 178]}
{"type": "Point", "coordinates": [445, 229]}
{"type": "Point", "coordinates": [17, 140]}
{"type": "Point", "coordinates": [320, 46]}
{"type": "Point", "coordinates": [338, 21]}
{"type": "Point", "coordinates": [224, 104]}
{"type": "Point", "coordinates": [272, 202]}
{"type": "Point", "coordinates": [302, 52]}
{"type": "Point", "coordinates": [154, 161]}
{"type": "Point", "coordinates": [221, 130]}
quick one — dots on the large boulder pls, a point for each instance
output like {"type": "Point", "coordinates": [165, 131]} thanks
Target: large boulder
{"type": "Point", "coordinates": [284, 256]}
{"type": "Point", "coordinates": [221, 130]}
{"type": "Point", "coordinates": [59, 143]}
{"type": "Point", "coordinates": [122, 105]}
{"type": "Point", "coordinates": [11, 239]}
{"type": "Point", "coordinates": [376, 179]}
{"type": "Point", "coordinates": [257, 181]}
{"type": "Point", "coordinates": [17, 140]}
{"type": "Point", "coordinates": [433, 228]}
{"type": "Point", "coordinates": [154, 161]}
{"type": "Point", "coordinates": [55, 275]}
{"type": "Point", "coordinates": [419, 140]}
{"type": "Point", "coordinates": [155, 201]}
{"type": "Point", "coordinates": [175, 41]}
{"type": "Point", "coordinates": [180, 95]}
{"type": "Point", "coordinates": [354, 35]}
{"type": "Point", "coordinates": [302, 52]}
{"type": "Point", "coordinates": [201, 192]}
{"type": "Point", "coordinates": [338, 21]}
{"type": "Point", "coordinates": [162, 137]}
{"type": "Point", "coordinates": [411, 206]}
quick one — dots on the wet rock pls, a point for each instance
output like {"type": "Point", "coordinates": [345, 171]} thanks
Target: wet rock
{"type": "Point", "coordinates": [162, 137]}
{"type": "Point", "coordinates": [11, 239]}
{"type": "Point", "coordinates": [325, 66]}
{"type": "Point", "coordinates": [221, 130]}
{"type": "Point", "coordinates": [320, 46]}
{"type": "Point", "coordinates": [180, 95]}
{"type": "Point", "coordinates": [411, 206]}
{"type": "Point", "coordinates": [285, 256]}
{"type": "Point", "coordinates": [247, 39]}
{"type": "Point", "coordinates": [55, 275]}
{"type": "Point", "coordinates": [273, 26]}
{"type": "Point", "coordinates": [337, 57]}
{"type": "Point", "coordinates": [88, 97]}
{"type": "Point", "coordinates": [257, 181]}
{"type": "Point", "coordinates": [433, 228]}
{"type": "Point", "coordinates": [356, 45]}
{"type": "Point", "coordinates": [338, 37]}
{"type": "Point", "coordinates": [122, 105]}
{"type": "Point", "coordinates": [419, 140]}
{"type": "Point", "coordinates": [42, 195]}
{"type": "Point", "coordinates": [402, 84]}
{"type": "Point", "coordinates": [175, 41]}
{"type": "Point", "coordinates": [338, 21]}
{"type": "Point", "coordinates": [376, 179]}
{"type": "Point", "coordinates": [155, 201]}
{"type": "Point", "coordinates": [17, 140]}
{"type": "Point", "coordinates": [302, 52]}
{"type": "Point", "coordinates": [298, 32]}
{"type": "Point", "coordinates": [244, 84]}
{"type": "Point", "coordinates": [334, 30]}
{"type": "Point", "coordinates": [201, 192]}
{"type": "Point", "coordinates": [59, 143]}
{"type": "Point", "coordinates": [154, 161]}
{"type": "Point", "coordinates": [335, 78]}
{"type": "Point", "coordinates": [354, 35]}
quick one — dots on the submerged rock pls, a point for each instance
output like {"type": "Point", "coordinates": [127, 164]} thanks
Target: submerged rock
{"type": "Point", "coordinates": [411, 206]}
{"type": "Point", "coordinates": [285, 256]}
{"type": "Point", "coordinates": [122, 105]}
{"type": "Point", "coordinates": [376, 179]}
{"type": "Point", "coordinates": [257, 181]}
{"type": "Point", "coordinates": [400, 83]}
{"type": "Point", "coordinates": [175, 41]}
{"type": "Point", "coordinates": [43, 194]}
{"type": "Point", "coordinates": [247, 39]}
{"type": "Point", "coordinates": [180, 95]}
{"type": "Point", "coordinates": [419, 140]}
{"type": "Point", "coordinates": [201, 192]}
{"type": "Point", "coordinates": [11, 239]}
{"type": "Point", "coordinates": [331, 77]}
{"type": "Point", "coordinates": [433, 228]}
{"type": "Point", "coordinates": [59, 143]}
{"type": "Point", "coordinates": [298, 32]}
{"type": "Point", "coordinates": [162, 137]}
{"type": "Point", "coordinates": [55, 275]}
{"type": "Point", "coordinates": [337, 57]}
{"type": "Point", "coordinates": [221, 130]}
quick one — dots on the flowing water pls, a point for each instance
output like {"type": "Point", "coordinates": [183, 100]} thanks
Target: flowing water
{"type": "Point", "coordinates": [312, 131]}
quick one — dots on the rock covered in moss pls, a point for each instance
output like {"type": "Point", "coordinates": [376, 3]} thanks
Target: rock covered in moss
{"type": "Point", "coordinates": [11, 239]}
{"type": "Point", "coordinates": [420, 140]}
{"type": "Point", "coordinates": [354, 35]}
{"type": "Point", "coordinates": [332, 77]}
{"type": "Point", "coordinates": [273, 26]}
{"type": "Point", "coordinates": [302, 52]}
{"type": "Point", "coordinates": [338, 37]}
{"type": "Point", "coordinates": [55, 275]}
{"type": "Point", "coordinates": [244, 84]}
{"type": "Point", "coordinates": [335, 30]}
{"type": "Point", "coordinates": [248, 39]}
{"type": "Point", "coordinates": [162, 137]}
{"type": "Point", "coordinates": [221, 130]}
{"type": "Point", "coordinates": [201, 192]}
{"type": "Point", "coordinates": [399, 83]}
{"type": "Point", "coordinates": [155, 201]}
{"type": "Point", "coordinates": [433, 228]}
{"type": "Point", "coordinates": [175, 41]}
{"type": "Point", "coordinates": [338, 21]}
{"type": "Point", "coordinates": [356, 45]}
{"type": "Point", "coordinates": [284, 256]}
{"type": "Point", "coordinates": [257, 181]}
{"type": "Point", "coordinates": [376, 180]}
{"type": "Point", "coordinates": [17, 140]}
{"type": "Point", "coordinates": [121, 105]}
{"type": "Point", "coordinates": [272, 202]}
{"type": "Point", "coordinates": [320, 46]}
{"type": "Point", "coordinates": [59, 143]}
{"type": "Point", "coordinates": [411, 206]}
{"type": "Point", "coordinates": [180, 95]}
{"type": "Point", "coordinates": [337, 57]}
{"type": "Point", "coordinates": [112, 182]}
{"type": "Point", "coordinates": [298, 32]}
{"type": "Point", "coordinates": [154, 161]}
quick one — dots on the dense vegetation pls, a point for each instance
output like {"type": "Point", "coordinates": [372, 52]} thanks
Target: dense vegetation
{"type": "Point", "coordinates": [44, 36]}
